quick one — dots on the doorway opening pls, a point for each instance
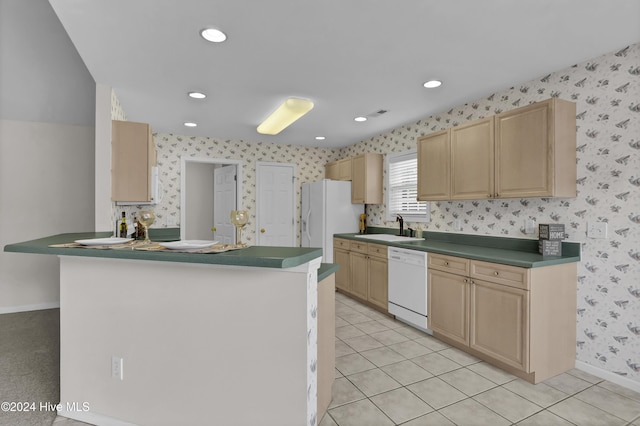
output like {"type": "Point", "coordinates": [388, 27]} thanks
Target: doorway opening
{"type": "Point", "coordinates": [209, 189]}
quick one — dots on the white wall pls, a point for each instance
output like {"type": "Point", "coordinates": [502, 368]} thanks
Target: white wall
{"type": "Point", "coordinates": [47, 106]}
{"type": "Point", "coordinates": [46, 187]}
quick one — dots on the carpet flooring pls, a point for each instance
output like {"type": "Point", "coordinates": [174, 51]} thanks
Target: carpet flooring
{"type": "Point", "coordinates": [29, 367]}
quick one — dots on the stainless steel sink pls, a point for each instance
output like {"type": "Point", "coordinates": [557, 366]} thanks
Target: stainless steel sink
{"type": "Point", "coordinates": [387, 237]}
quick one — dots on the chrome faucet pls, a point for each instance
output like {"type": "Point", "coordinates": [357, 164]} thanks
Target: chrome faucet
{"type": "Point", "coordinates": [401, 220]}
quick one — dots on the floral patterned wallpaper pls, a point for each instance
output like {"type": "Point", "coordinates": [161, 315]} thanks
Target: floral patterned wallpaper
{"type": "Point", "coordinates": [310, 168]}
{"type": "Point", "coordinates": [607, 95]}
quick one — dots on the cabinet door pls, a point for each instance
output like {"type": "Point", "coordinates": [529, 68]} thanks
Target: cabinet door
{"type": "Point", "coordinates": [331, 171]}
{"type": "Point", "coordinates": [378, 282]}
{"type": "Point", "coordinates": [343, 274]}
{"type": "Point", "coordinates": [448, 305]}
{"type": "Point", "coordinates": [366, 179]}
{"type": "Point", "coordinates": [132, 155]}
{"type": "Point", "coordinates": [472, 160]}
{"type": "Point", "coordinates": [434, 171]}
{"type": "Point", "coordinates": [344, 169]}
{"type": "Point", "coordinates": [359, 274]}
{"type": "Point", "coordinates": [524, 157]}
{"type": "Point", "coordinates": [499, 323]}
{"type": "Point", "coordinates": [358, 167]}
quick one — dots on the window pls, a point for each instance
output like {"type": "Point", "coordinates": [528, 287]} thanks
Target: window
{"type": "Point", "coordinates": [402, 188]}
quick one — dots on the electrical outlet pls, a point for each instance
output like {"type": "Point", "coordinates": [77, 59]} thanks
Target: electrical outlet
{"type": "Point", "coordinates": [116, 368]}
{"type": "Point", "coordinates": [172, 221]}
{"type": "Point", "coordinates": [457, 225]}
{"type": "Point", "coordinates": [529, 226]}
{"type": "Point", "coordinates": [597, 229]}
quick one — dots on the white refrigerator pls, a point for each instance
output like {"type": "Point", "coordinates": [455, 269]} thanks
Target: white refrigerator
{"type": "Point", "coordinates": [327, 210]}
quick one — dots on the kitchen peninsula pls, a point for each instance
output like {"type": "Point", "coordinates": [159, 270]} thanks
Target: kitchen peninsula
{"type": "Point", "coordinates": [189, 338]}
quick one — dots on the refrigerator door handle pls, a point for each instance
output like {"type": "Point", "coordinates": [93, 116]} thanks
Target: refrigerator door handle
{"type": "Point", "coordinates": [307, 226]}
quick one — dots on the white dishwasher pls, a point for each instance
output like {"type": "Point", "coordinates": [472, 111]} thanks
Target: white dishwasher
{"type": "Point", "coordinates": [408, 286]}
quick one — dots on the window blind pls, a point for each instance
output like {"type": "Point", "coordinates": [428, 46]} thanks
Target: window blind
{"type": "Point", "coordinates": [403, 187]}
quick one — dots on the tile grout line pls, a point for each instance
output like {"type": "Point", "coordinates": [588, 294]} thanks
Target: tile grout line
{"type": "Point", "coordinates": [413, 338]}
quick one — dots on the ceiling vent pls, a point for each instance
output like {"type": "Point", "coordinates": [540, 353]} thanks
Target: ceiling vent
{"type": "Point", "coordinates": [377, 113]}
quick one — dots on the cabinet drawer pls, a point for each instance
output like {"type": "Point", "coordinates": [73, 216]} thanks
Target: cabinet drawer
{"type": "Point", "coordinates": [377, 250]}
{"type": "Point", "coordinates": [452, 264]}
{"type": "Point", "coordinates": [512, 276]}
{"type": "Point", "coordinates": [340, 243]}
{"type": "Point", "coordinates": [359, 247]}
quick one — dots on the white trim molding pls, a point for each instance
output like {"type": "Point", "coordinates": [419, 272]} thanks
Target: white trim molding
{"type": "Point", "coordinates": [609, 376]}
{"type": "Point", "coordinates": [27, 308]}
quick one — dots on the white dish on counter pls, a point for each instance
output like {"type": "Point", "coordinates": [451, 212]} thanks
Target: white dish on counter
{"type": "Point", "coordinates": [188, 244]}
{"type": "Point", "coordinates": [103, 241]}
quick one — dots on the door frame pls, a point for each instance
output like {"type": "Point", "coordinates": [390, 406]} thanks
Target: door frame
{"type": "Point", "coordinates": [294, 181]}
{"type": "Point", "coordinates": [184, 161]}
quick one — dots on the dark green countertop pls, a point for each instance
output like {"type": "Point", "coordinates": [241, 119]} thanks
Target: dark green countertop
{"type": "Point", "coordinates": [262, 256]}
{"type": "Point", "coordinates": [508, 251]}
{"type": "Point", "coordinates": [327, 269]}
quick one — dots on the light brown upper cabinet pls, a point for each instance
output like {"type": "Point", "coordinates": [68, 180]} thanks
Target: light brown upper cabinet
{"type": "Point", "coordinates": [338, 170]}
{"type": "Point", "coordinates": [536, 150]}
{"type": "Point", "coordinates": [133, 154]}
{"type": "Point", "coordinates": [434, 169]}
{"type": "Point", "coordinates": [366, 178]}
{"type": "Point", "coordinates": [526, 152]}
{"type": "Point", "coordinates": [331, 171]}
{"type": "Point", "coordinates": [344, 169]}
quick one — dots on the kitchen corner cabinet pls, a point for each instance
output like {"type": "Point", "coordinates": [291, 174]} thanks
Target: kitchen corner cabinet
{"type": "Point", "coordinates": [363, 271]}
{"type": "Point", "coordinates": [527, 152]}
{"type": "Point", "coordinates": [522, 320]}
{"type": "Point", "coordinates": [331, 171]}
{"type": "Point", "coordinates": [366, 178]}
{"type": "Point", "coordinates": [338, 170]}
{"type": "Point", "coordinates": [133, 154]}
{"type": "Point", "coordinates": [341, 250]}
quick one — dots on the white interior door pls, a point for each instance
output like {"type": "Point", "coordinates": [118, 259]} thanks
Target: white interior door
{"type": "Point", "coordinates": [224, 200]}
{"type": "Point", "coordinates": [275, 225]}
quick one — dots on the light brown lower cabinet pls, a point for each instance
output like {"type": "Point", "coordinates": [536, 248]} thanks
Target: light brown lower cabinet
{"type": "Point", "coordinates": [363, 271]}
{"type": "Point", "coordinates": [520, 319]}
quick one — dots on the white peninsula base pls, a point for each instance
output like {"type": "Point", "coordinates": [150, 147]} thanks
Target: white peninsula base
{"type": "Point", "coordinates": [199, 343]}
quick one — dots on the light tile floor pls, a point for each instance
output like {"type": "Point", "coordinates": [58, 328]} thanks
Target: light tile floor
{"type": "Point", "coordinates": [388, 373]}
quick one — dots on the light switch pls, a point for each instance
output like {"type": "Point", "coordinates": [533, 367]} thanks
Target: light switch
{"type": "Point", "coordinates": [597, 230]}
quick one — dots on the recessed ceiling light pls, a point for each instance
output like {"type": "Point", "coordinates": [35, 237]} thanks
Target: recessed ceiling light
{"type": "Point", "coordinates": [432, 84]}
{"type": "Point", "coordinates": [360, 119]}
{"type": "Point", "coordinates": [213, 35]}
{"type": "Point", "coordinates": [320, 138]}
{"type": "Point", "coordinates": [190, 124]}
{"type": "Point", "coordinates": [197, 95]}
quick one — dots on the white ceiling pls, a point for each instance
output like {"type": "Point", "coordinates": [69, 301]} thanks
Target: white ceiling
{"type": "Point", "coordinates": [350, 57]}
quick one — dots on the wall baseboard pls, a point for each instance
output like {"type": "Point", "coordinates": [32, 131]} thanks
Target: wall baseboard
{"type": "Point", "coordinates": [26, 308]}
{"type": "Point", "coordinates": [609, 376]}
{"type": "Point", "coordinates": [92, 418]}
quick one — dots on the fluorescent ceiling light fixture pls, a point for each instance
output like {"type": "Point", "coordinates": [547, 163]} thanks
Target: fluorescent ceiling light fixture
{"type": "Point", "coordinates": [360, 119]}
{"type": "Point", "coordinates": [432, 84]}
{"type": "Point", "coordinates": [190, 124]}
{"type": "Point", "coordinates": [320, 138]}
{"type": "Point", "coordinates": [197, 95]}
{"type": "Point", "coordinates": [285, 115]}
{"type": "Point", "coordinates": [213, 35]}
